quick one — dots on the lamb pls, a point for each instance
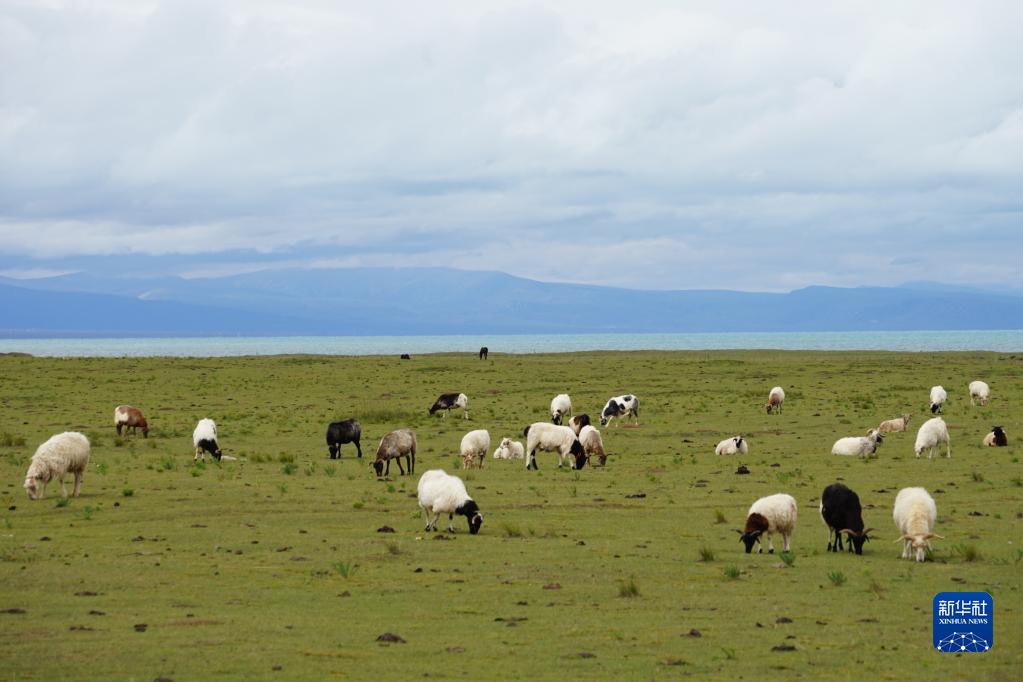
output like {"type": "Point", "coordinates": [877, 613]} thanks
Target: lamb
{"type": "Point", "coordinates": [205, 440]}
{"type": "Point", "coordinates": [932, 433]}
{"type": "Point", "coordinates": [128, 417]}
{"type": "Point", "coordinates": [858, 446]}
{"type": "Point", "coordinates": [841, 512]}
{"type": "Point", "coordinates": [474, 448]}
{"type": "Point", "coordinates": [346, 431]}
{"type": "Point", "coordinates": [731, 446]}
{"type": "Point", "coordinates": [446, 401]}
{"type": "Point", "coordinates": [561, 407]}
{"type": "Point", "coordinates": [979, 391]}
{"type": "Point", "coordinates": [914, 515]}
{"type": "Point", "coordinates": [996, 438]}
{"type": "Point", "coordinates": [592, 443]}
{"type": "Point", "coordinates": [551, 437]}
{"type": "Point", "coordinates": [938, 398]}
{"type": "Point", "coordinates": [577, 422]}
{"type": "Point", "coordinates": [64, 453]}
{"type": "Point", "coordinates": [620, 406]}
{"type": "Point", "coordinates": [509, 449]}
{"type": "Point", "coordinates": [774, 399]}
{"type": "Point", "coordinates": [441, 493]}
{"type": "Point", "coordinates": [771, 514]}
{"type": "Point", "coordinates": [395, 445]}
{"type": "Point", "coordinates": [897, 425]}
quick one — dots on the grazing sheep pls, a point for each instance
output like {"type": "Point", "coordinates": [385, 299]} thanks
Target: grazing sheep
{"type": "Point", "coordinates": [484, 352]}
{"type": "Point", "coordinates": [771, 514]}
{"type": "Point", "coordinates": [897, 425]}
{"type": "Point", "coordinates": [552, 437]}
{"type": "Point", "coordinates": [979, 391]}
{"type": "Point", "coordinates": [449, 400]}
{"type": "Point", "coordinates": [64, 453]}
{"type": "Point", "coordinates": [731, 446]}
{"type": "Point", "coordinates": [128, 417]}
{"type": "Point", "coordinates": [932, 433]}
{"type": "Point", "coordinates": [577, 422]}
{"type": "Point", "coordinates": [774, 399]}
{"type": "Point", "coordinates": [509, 449]}
{"type": "Point", "coordinates": [395, 445]}
{"type": "Point", "coordinates": [914, 515]}
{"type": "Point", "coordinates": [205, 440]}
{"type": "Point", "coordinates": [561, 407]}
{"type": "Point", "coordinates": [474, 448]}
{"type": "Point", "coordinates": [620, 406]}
{"type": "Point", "coordinates": [858, 446]}
{"type": "Point", "coordinates": [346, 431]}
{"type": "Point", "coordinates": [996, 438]}
{"type": "Point", "coordinates": [593, 444]}
{"type": "Point", "coordinates": [841, 512]}
{"type": "Point", "coordinates": [441, 493]}
{"type": "Point", "coordinates": [938, 398]}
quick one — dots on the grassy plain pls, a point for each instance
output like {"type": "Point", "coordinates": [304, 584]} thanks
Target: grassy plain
{"type": "Point", "coordinates": [272, 567]}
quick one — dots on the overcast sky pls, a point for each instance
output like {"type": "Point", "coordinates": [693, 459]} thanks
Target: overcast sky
{"type": "Point", "coordinates": [757, 146]}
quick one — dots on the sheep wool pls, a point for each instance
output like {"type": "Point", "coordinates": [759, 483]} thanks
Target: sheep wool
{"type": "Point", "coordinates": [914, 514]}
{"type": "Point", "coordinates": [64, 453]}
{"type": "Point", "coordinates": [441, 493]}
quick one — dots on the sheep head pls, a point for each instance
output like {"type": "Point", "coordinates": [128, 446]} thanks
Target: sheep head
{"type": "Point", "coordinates": [579, 453]}
{"type": "Point", "coordinates": [35, 487]}
{"type": "Point", "coordinates": [471, 511]}
{"type": "Point", "coordinates": [378, 466]}
{"type": "Point", "coordinates": [756, 525]}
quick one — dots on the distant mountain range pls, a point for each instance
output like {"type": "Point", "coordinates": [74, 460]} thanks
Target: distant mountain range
{"type": "Point", "coordinates": [411, 301]}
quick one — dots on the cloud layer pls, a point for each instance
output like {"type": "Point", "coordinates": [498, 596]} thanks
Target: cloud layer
{"type": "Point", "coordinates": [666, 145]}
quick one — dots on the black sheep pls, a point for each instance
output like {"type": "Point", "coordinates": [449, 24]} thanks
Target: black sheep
{"type": "Point", "coordinates": [347, 431]}
{"type": "Point", "coordinates": [841, 511]}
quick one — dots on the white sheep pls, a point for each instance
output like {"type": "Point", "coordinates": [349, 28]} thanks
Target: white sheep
{"type": "Point", "coordinates": [561, 407]}
{"type": "Point", "coordinates": [204, 438]}
{"type": "Point", "coordinates": [441, 493]}
{"type": "Point", "coordinates": [938, 398]}
{"type": "Point", "coordinates": [858, 446]}
{"type": "Point", "coordinates": [914, 515]}
{"type": "Point", "coordinates": [897, 425]}
{"type": "Point", "coordinates": [509, 449]}
{"type": "Point", "coordinates": [64, 453]}
{"type": "Point", "coordinates": [552, 437]}
{"type": "Point", "coordinates": [774, 399]}
{"type": "Point", "coordinates": [931, 434]}
{"type": "Point", "coordinates": [474, 448]}
{"type": "Point", "coordinates": [732, 446]}
{"type": "Point", "coordinates": [771, 514]}
{"type": "Point", "coordinates": [979, 391]}
{"type": "Point", "coordinates": [593, 444]}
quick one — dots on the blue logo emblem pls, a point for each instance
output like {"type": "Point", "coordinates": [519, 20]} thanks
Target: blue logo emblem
{"type": "Point", "coordinates": [963, 622]}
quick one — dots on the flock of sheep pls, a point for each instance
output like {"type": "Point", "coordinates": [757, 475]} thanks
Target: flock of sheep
{"type": "Point", "coordinates": [914, 512]}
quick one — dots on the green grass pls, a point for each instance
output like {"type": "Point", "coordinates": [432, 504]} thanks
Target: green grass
{"type": "Point", "coordinates": [275, 560]}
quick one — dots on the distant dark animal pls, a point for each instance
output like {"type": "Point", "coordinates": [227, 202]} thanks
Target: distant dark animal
{"type": "Point", "coordinates": [484, 351]}
{"type": "Point", "coordinates": [338, 433]}
{"type": "Point", "coordinates": [996, 438]}
{"type": "Point", "coordinates": [841, 513]}
{"type": "Point", "coordinates": [449, 400]}
{"type": "Point", "coordinates": [128, 417]}
{"type": "Point", "coordinates": [395, 445]}
{"type": "Point", "coordinates": [406, 356]}
{"type": "Point", "coordinates": [620, 406]}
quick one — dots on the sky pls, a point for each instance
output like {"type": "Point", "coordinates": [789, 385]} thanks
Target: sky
{"type": "Point", "coordinates": [653, 145]}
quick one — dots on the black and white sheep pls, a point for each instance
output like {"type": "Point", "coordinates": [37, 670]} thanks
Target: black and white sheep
{"type": "Point", "coordinates": [732, 446]}
{"type": "Point", "coordinates": [441, 493]}
{"type": "Point", "coordinates": [858, 446]}
{"type": "Point", "coordinates": [620, 406]}
{"type": "Point", "coordinates": [509, 449]}
{"type": "Point", "coordinates": [996, 437]}
{"type": "Point", "coordinates": [577, 422]}
{"type": "Point", "coordinates": [914, 514]}
{"type": "Point", "coordinates": [938, 398]}
{"type": "Point", "coordinates": [771, 514]}
{"type": "Point", "coordinates": [339, 433]}
{"type": "Point", "coordinates": [447, 401]}
{"type": "Point", "coordinates": [474, 448]}
{"type": "Point", "coordinates": [62, 454]}
{"type": "Point", "coordinates": [128, 417]}
{"type": "Point", "coordinates": [553, 438]}
{"type": "Point", "coordinates": [395, 445]}
{"type": "Point", "coordinates": [931, 434]}
{"type": "Point", "coordinates": [561, 407]}
{"type": "Point", "coordinates": [204, 438]}
{"type": "Point", "coordinates": [841, 512]}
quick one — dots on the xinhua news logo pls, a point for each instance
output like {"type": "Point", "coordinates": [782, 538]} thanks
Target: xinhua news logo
{"type": "Point", "coordinates": [964, 622]}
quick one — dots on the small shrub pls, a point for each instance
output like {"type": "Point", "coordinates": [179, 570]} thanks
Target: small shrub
{"type": "Point", "coordinates": [358, 504]}
{"type": "Point", "coordinates": [628, 588]}
{"type": "Point", "coordinates": [837, 578]}
{"type": "Point", "coordinates": [128, 492]}
{"type": "Point", "coordinates": [732, 572]}
{"type": "Point", "coordinates": [788, 558]}
{"type": "Point", "coordinates": [346, 569]}
{"type": "Point", "coordinates": [706, 554]}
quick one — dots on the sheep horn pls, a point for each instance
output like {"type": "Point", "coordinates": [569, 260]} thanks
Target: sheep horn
{"type": "Point", "coordinates": [849, 531]}
{"type": "Point", "coordinates": [867, 531]}
{"type": "Point", "coordinates": [934, 535]}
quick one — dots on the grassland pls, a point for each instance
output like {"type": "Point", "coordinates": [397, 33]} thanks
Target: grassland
{"type": "Point", "coordinates": [272, 567]}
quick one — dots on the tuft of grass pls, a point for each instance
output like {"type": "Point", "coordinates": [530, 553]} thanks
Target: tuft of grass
{"type": "Point", "coordinates": [168, 463]}
{"type": "Point", "coordinates": [330, 470]}
{"type": "Point", "coordinates": [837, 578]}
{"type": "Point", "coordinates": [706, 554]}
{"type": "Point", "coordinates": [719, 516]}
{"type": "Point", "coordinates": [102, 468]}
{"type": "Point", "coordinates": [8, 440]}
{"type": "Point", "coordinates": [511, 530]}
{"type": "Point", "coordinates": [358, 504]}
{"type": "Point", "coordinates": [64, 502]}
{"type": "Point", "coordinates": [788, 558]}
{"type": "Point", "coordinates": [128, 492]}
{"type": "Point", "coordinates": [393, 548]}
{"type": "Point", "coordinates": [87, 512]}
{"type": "Point", "coordinates": [289, 468]}
{"type": "Point", "coordinates": [285, 458]}
{"type": "Point", "coordinates": [977, 477]}
{"type": "Point", "coordinates": [346, 569]}
{"type": "Point", "coordinates": [968, 553]}
{"type": "Point", "coordinates": [628, 588]}
{"type": "Point", "coordinates": [732, 572]}
{"type": "Point", "coordinates": [729, 653]}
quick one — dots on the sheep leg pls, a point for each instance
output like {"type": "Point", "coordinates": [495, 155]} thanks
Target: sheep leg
{"type": "Point", "coordinates": [359, 448]}
{"type": "Point", "coordinates": [770, 543]}
{"type": "Point", "coordinates": [78, 484]}
{"type": "Point", "coordinates": [63, 489]}
{"type": "Point", "coordinates": [948, 449]}
{"type": "Point", "coordinates": [426, 517]}
{"type": "Point", "coordinates": [465, 414]}
{"type": "Point", "coordinates": [387, 468]}
{"type": "Point", "coordinates": [786, 539]}
{"type": "Point", "coordinates": [451, 523]}
{"type": "Point", "coordinates": [397, 460]}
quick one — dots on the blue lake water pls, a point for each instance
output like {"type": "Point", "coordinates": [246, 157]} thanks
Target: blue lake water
{"type": "Point", "coordinates": [1009, 341]}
